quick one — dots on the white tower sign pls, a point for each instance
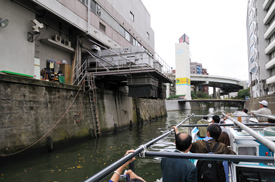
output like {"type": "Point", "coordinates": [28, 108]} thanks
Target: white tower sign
{"type": "Point", "coordinates": [183, 68]}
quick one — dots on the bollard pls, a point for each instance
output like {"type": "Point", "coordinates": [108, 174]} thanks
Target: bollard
{"type": "Point", "coordinates": [49, 144]}
{"type": "Point", "coordinates": [115, 128]}
{"type": "Point", "coordinates": [131, 124]}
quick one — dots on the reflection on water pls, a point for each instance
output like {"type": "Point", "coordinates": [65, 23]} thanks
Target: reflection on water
{"type": "Point", "coordinates": [82, 160]}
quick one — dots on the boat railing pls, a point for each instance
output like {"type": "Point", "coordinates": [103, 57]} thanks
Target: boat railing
{"type": "Point", "coordinates": [267, 116]}
{"type": "Point", "coordinates": [247, 124]}
{"type": "Point", "coordinates": [221, 157]}
{"type": "Point", "coordinates": [109, 169]}
{"type": "Point", "coordinates": [268, 143]}
{"type": "Point", "coordinates": [214, 157]}
{"type": "Point", "coordinates": [222, 116]}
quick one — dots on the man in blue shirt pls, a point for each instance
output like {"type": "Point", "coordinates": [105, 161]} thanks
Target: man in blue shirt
{"type": "Point", "coordinates": [176, 169]}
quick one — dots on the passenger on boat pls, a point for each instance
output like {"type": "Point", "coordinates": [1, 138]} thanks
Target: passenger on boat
{"type": "Point", "coordinates": [176, 169]}
{"type": "Point", "coordinates": [224, 138]}
{"type": "Point", "coordinates": [133, 177]}
{"type": "Point", "coordinates": [203, 129]}
{"type": "Point", "coordinates": [216, 119]}
{"type": "Point", "coordinates": [244, 119]}
{"type": "Point", "coordinates": [213, 133]}
{"type": "Point", "coordinates": [239, 115]}
{"type": "Point", "coordinates": [263, 110]}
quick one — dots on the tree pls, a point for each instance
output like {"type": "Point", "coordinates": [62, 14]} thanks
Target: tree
{"type": "Point", "coordinates": [201, 95]}
{"type": "Point", "coordinates": [243, 93]}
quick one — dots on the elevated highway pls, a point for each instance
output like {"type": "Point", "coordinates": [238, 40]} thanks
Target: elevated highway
{"type": "Point", "coordinates": [226, 84]}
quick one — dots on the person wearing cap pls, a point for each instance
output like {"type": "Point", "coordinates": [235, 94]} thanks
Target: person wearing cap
{"type": "Point", "coordinates": [263, 110]}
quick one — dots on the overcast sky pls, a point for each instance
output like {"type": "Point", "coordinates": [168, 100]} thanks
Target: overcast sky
{"type": "Point", "coordinates": [216, 30]}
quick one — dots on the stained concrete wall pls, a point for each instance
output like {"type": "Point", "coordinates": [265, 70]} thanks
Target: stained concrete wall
{"type": "Point", "coordinates": [29, 108]}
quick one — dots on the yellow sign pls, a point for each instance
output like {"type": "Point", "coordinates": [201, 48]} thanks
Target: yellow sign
{"type": "Point", "coordinates": [183, 81]}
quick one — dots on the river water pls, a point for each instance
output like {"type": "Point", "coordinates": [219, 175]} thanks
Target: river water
{"type": "Point", "coordinates": [80, 161]}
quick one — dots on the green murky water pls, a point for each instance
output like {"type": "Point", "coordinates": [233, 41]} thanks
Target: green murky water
{"type": "Point", "coordinates": [82, 160]}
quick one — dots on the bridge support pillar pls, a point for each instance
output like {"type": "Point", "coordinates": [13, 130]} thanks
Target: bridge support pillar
{"type": "Point", "coordinates": [214, 93]}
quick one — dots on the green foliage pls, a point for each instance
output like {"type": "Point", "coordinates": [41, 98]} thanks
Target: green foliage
{"type": "Point", "coordinates": [193, 95]}
{"type": "Point", "coordinates": [199, 95]}
{"type": "Point", "coordinates": [175, 97]}
{"type": "Point", "coordinates": [243, 93]}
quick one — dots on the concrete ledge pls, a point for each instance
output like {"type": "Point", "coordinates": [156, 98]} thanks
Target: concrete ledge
{"type": "Point", "coordinates": [32, 81]}
{"type": "Point", "coordinates": [174, 105]}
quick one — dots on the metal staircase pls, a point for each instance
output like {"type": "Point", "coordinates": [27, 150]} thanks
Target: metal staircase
{"type": "Point", "coordinates": [90, 80]}
{"type": "Point", "coordinates": [80, 74]}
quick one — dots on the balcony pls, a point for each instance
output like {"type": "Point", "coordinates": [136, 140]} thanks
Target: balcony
{"type": "Point", "coordinates": [270, 31]}
{"type": "Point", "coordinates": [270, 64]}
{"type": "Point", "coordinates": [266, 4]}
{"type": "Point", "coordinates": [270, 80]}
{"type": "Point", "coordinates": [270, 47]}
{"type": "Point", "coordinates": [269, 14]}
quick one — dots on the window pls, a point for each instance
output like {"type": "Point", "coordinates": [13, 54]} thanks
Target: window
{"type": "Point", "coordinates": [252, 59]}
{"type": "Point", "coordinates": [271, 38]}
{"type": "Point", "coordinates": [121, 31]}
{"type": "Point", "coordinates": [102, 27]}
{"type": "Point", "coordinates": [132, 16]}
{"type": "Point", "coordinates": [134, 42]}
{"type": "Point", "coordinates": [253, 70]}
{"type": "Point", "coordinates": [252, 27]}
{"type": "Point", "coordinates": [148, 35]}
{"type": "Point", "coordinates": [85, 2]}
{"type": "Point", "coordinates": [272, 55]}
{"type": "Point", "coordinates": [127, 36]}
{"type": "Point", "coordinates": [93, 6]}
{"type": "Point", "coordinates": [110, 21]}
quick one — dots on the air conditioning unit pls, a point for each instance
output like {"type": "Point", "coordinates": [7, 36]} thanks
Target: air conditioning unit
{"type": "Point", "coordinates": [95, 47]}
{"type": "Point", "coordinates": [67, 42]}
{"type": "Point", "coordinates": [58, 38]}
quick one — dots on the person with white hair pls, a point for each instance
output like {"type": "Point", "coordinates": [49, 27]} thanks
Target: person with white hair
{"type": "Point", "coordinates": [263, 110]}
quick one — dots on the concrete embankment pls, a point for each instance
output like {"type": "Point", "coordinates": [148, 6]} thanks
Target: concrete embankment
{"type": "Point", "coordinates": [30, 108]}
{"type": "Point", "coordinates": [253, 104]}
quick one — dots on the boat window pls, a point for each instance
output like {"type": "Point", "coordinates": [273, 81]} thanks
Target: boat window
{"type": "Point", "coordinates": [255, 174]}
{"type": "Point", "coordinates": [246, 151]}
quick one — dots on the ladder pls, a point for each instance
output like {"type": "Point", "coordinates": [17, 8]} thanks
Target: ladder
{"type": "Point", "coordinates": [93, 102]}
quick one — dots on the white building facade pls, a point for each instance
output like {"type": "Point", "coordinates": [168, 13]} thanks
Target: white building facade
{"type": "Point", "coordinates": [67, 24]}
{"type": "Point", "coordinates": [261, 46]}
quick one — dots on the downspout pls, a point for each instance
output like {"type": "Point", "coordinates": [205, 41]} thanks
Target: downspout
{"type": "Point", "coordinates": [88, 18]}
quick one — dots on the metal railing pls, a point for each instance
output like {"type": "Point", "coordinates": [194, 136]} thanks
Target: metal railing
{"type": "Point", "coordinates": [269, 144]}
{"type": "Point", "coordinates": [122, 62]}
{"type": "Point", "coordinates": [109, 169]}
{"type": "Point", "coordinates": [216, 157]}
{"type": "Point", "coordinates": [79, 73]}
{"type": "Point", "coordinates": [267, 116]}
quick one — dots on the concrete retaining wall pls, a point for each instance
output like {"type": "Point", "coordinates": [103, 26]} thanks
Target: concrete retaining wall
{"type": "Point", "coordinates": [253, 104]}
{"type": "Point", "coordinates": [29, 108]}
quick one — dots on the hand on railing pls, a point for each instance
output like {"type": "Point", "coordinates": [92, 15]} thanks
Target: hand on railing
{"type": "Point", "coordinates": [130, 173]}
{"type": "Point", "coordinates": [175, 129]}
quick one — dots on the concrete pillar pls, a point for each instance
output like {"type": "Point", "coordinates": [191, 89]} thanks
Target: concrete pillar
{"type": "Point", "coordinates": [183, 70]}
{"type": "Point", "coordinates": [214, 93]}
